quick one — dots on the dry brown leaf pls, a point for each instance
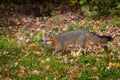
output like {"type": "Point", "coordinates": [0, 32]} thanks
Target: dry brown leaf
{"type": "Point", "coordinates": [46, 78]}
{"type": "Point", "coordinates": [33, 46]}
{"type": "Point", "coordinates": [98, 22]}
{"type": "Point", "coordinates": [18, 22]}
{"type": "Point", "coordinates": [111, 64]}
{"type": "Point", "coordinates": [24, 20]}
{"type": "Point", "coordinates": [7, 78]}
{"type": "Point", "coordinates": [37, 53]}
{"type": "Point", "coordinates": [94, 77]}
{"type": "Point", "coordinates": [117, 65]}
{"type": "Point", "coordinates": [37, 23]}
{"type": "Point", "coordinates": [43, 30]}
{"type": "Point", "coordinates": [21, 72]}
{"type": "Point", "coordinates": [1, 78]}
{"type": "Point", "coordinates": [47, 67]}
{"type": "Point", "coordinates": [76, 73]}
{"type": "Point", "coordinates": [43, 61]}
{"type": "Point", "coordinates": [48, 59]}
{"type": "Point", "coordinates": [36, 72]}
{"type": "Point", "coordinates": [15, 64]}
{"type": "Point", "coordinates": [74, 54]}
{"type": "Point", "coordinates": [94, 69]}
{"type": "Point", "coordinates": [118, 57]}
{"type": "Point", "coordinates": [116, 40]}
{"type": "Point", "coordinates": [21, 38]}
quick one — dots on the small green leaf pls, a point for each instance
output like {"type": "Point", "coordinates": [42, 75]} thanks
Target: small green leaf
{"type": "Point", "coordinates": [70, 28]}
{"type": "Point", "coordinates": [95, 1]}
{"type": "Point", "coordinates": [73, 2]}
{"type": "Point", "coordinates": [95, 7]}
{"type": "Point", "coordinates": [2, 24]}
{"type": "Point", "coordinates": [82, 1]}
{"type": "Point", "coordinates": [118, 5]}
{"type": "Point", "coordinates": [84, 8]}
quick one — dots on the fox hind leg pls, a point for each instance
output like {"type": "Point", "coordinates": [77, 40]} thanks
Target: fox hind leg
{"type": "Point", "coordinates": [81, 43]}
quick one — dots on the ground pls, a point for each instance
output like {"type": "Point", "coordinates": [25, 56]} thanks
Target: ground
{"type": "Point", "coordinates": [23, 56]}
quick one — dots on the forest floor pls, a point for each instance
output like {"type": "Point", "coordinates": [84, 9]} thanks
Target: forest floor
{"type": "Point", "coordinates": [23, 55]}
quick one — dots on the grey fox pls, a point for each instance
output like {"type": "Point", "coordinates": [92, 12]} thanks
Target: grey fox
{"type": "Point", "coordinates": [79, 37]}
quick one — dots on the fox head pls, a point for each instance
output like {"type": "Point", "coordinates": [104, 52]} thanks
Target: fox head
{"type": "Point", "coordinates": [47, 39]}
{"type": "Point", "coordinates": [50, 39]}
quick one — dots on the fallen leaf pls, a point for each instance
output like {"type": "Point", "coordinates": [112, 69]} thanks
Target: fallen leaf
{"type": "Point", "coordinates": [37, 53]}
{"type": "Point", "coordinates": [98, 22]}
{"type": "Point", "coordinates": [18, 22]}
{"type": "Point", "coordinates": [5, 52]}
{"type": "Point", "coordinates": [15, 64]}
{"type": "Point", "coordinates": [24, 20]}
{"type": "Point", "coordinates": [1, 78]}
{"type": "Point", "coordinates": [46, 78]}
{"type": "Point", "coordinates": [33, 46]}
{"type": "Point", "coordinates": [43, 61]}
{"type": "Point", "coordinates": [117, 65]}
{"type": "Point", "coordinates": [21, 38]}
{"type": "Point", "coordinates": [37, 23]}
{"type": "Point", "coordinates": [7, 78]}
{"type": "Point", "coordinates": [116, 40]}
{"type": "Point", "coordinates": [110, 64]}
{"type": "Point", "coordinates": [36, 72]}
{"type": "Point", "coordinates": [114, 64]}
{"type": "Point", "coordinates": [94, 77]}
{"type": "Point", "coordinates": [48, 59]}
{"type": "Point", "coordinates": [47, 67]}
{"type": "Point", "coordinates": [21, 72]}
{"type": "Point", "coordinates": [74, 54]}
{"type": "Point", "coordinates": [118, 57]}
{"type": "Point", "coordinates": [94, 69]}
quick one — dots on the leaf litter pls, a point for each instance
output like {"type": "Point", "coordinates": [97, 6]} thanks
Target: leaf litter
{"type": "Point", "coordinates": [58, 23]}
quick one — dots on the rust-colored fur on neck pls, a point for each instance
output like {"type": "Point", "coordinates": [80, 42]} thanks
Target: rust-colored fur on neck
{"type": "Point", "coordinates": [54, 41]}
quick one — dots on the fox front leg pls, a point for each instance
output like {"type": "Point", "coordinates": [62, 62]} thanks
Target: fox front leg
{"type": "Point", "coordinates": [79, 52]}
{"type": "Point", "coordinates": [57, 49]}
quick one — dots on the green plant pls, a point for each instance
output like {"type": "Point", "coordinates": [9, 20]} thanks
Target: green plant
{"type": "Point", "coordinates": [70, 28]}
{"type": "Point", "coordinates": [103, 26]}
{"type": "Point", "coordinates": [57, 21]}
{"type": "Point", "coordinates": [73, 2]}
{"type": "Point", "coordinates": [7, 44]}
{"type": "Point", "coordinates": [99, 6]}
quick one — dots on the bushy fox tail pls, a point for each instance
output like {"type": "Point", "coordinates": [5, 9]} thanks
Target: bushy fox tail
{"type": "Point", "coordinates": [99, 39]}
{"type": "Point", "coordinates": [105, 39]}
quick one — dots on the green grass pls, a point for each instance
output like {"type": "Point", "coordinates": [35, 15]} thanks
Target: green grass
{"type": "Point", "coordinates": [90, 66]}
